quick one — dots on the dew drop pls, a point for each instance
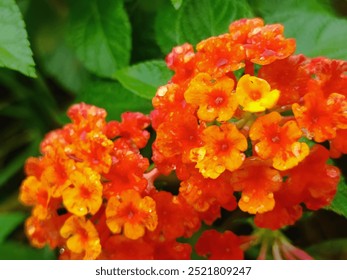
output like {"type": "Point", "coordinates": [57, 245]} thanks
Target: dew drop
{"type": "Point", "coordinates": [219, 168]}
{"type": "Point", "coordinates": [162, 91]}
{"type": "Point", "coordinates": [179, 50]}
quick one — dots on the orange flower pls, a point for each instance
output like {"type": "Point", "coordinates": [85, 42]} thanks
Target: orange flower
{"type": "Point", "coordinates": [85, 192]}
{"type": "Point", "coordinates": [240, 29]}
{"type": "Point", "coordinates": [205, 193]}
{"type": "Point", "coordinates": [219, 55]}
{"type": "Point", "coordinates": [320, 117]}
{"type": "Point", "coordinates": [82, 237]}
{"type": "Point", "coordinates": [57, 167]}
{"type": "Point", "coordinates": [87, 117]}
{"type": "Point", "coordinates": [182, 61]}
{"type": "Point", "coordinates": [258, 182]}
{"type": "Point", "coordinates": [267, 44]}
{"type": "Point", "coordinates": [255, 95]}
{"type": "Point", "coordinates": [214, 97]}
{"type": "Point", "coordinates": [278, 143]}
{"type": "Point", "coordinates": [92, 147]}
{"type": "Point", "coordinates": [222, 151]}
{"type": "Point", "coordinates": [34, 193]}
{"type": "Point", "coordinates": [133, 213]}
{"type": "Point", "coordinates": [45, 232]}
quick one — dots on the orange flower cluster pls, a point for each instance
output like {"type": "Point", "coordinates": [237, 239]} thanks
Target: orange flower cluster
{"type": "Point", "coordinates": [242, 116]}
{"type": "Point", "coordinates": [92, 196]}
{"type": "Point", "coordinates": [238, 125]}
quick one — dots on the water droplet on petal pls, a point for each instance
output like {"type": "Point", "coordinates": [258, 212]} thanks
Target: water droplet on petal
{"type": "Point", "coordinates": [219, 168]}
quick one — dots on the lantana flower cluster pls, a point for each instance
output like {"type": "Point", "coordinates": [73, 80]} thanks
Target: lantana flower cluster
{"type": "Point", "coordinates": [243, 123]}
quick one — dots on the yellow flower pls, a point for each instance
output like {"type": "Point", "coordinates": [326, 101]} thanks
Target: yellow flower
{"type": "Point", "coordinates": [82, 237]}
{"type": "Point", "coordinates": [84, 195]}
{"type": "Point", "coordinates": [255, 94]}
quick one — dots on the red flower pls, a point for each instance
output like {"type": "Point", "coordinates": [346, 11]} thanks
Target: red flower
{"type": "Point", "coordinates": [219, 246]}
{"type": "Point", "coordinates": [182, 61]}
{"type": "Point", "coordinates": [257, 181]}
{"type": "Point", "coordinates": [205, 193]}
{"type": "Point", "coordinates": [338, 145]}
{"type": "Point", "coordinates": [132, 127]}
{"type": "Point", "coordinates": [301, 187]}
{"type": "Point", "coordinates": [329, 76]}
{"type": "Point", "coordinates": [289, 76]}
{"type": "Point", "coordinates": [175, 217]}
{"type": "Point", "coordinates": [320, 117]}
{"type": "Point", "coordinates": [127, 170]}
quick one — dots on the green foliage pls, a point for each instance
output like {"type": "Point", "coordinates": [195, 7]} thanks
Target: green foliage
{"type": "Point", "coordinates": [143, 79]}
{"type": "Point", "coordinates": [15, 52]}
{"type": "Point", "coordinates": [15, 251]}
{"type": "Point", "coordinates": [335, 249]}
{"type": "Point", "coordinates": [8, 222]}
{"type": "Point", "coordinates": [100, 34]}
{"type": "Point", "coordinates": [119, 99]}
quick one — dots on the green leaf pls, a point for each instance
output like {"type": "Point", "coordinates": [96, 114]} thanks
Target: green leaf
{"type": "Point", "coordinates": [15, 52]}
{"type": "Point", "coordinates": [167, 33]}
{"type": "Point", "coordinates": [100, 33]}
{"type": "Point", "coordinates": [335, 249]}
{"type": "Point", "coordinates": [48, 27]}
{"type": "Point", "coordinates": [8, 222]}
{"type": "Point", "coordinates": [176, 3]}
{"type": "Point", "coordinates": [339, 204]}
{"type": "Point", "coordinates": [16, 164]}
{"type": "Point", "coordinates": [111, 96]}
{"type": "Point", "coordinates": [144, 78]}
{"type": "Point", "coordinates": [197, 20]}
{"type": "Point", "coordinates": [318, 32]}
{"type": "Point", "coordinates": [18, 251]}
{"type": "Point", "coordinates": [270, 8]}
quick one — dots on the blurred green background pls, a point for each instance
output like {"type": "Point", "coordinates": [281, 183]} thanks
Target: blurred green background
{"type": "Point", "coordinates": [110, 53]}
